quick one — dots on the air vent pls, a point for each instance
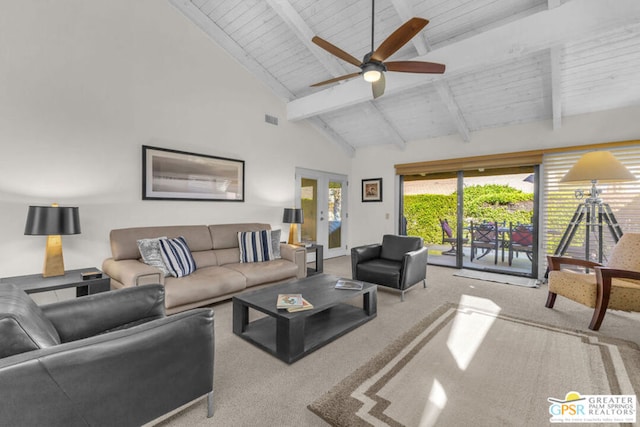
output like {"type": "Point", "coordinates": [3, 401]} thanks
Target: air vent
{"type": "Point", "coordinates": [271, 119]}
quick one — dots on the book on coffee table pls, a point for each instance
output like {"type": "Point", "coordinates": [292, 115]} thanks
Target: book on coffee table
{"type": "Point", "coordinates": [289, 301]}
{"type": "Point", "coordinates": [349, 285]}
{"type": "Point", "coordinates": [306, 305]}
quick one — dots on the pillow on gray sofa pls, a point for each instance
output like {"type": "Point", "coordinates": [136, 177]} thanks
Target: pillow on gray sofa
{"type": "Point", "coordinates": [23, 325]}
{"type": "Point", "coordinates": [275, 243]}
{"type": "Point", "coordinates": [177, 256]}
{"type": "Point", "coordinates": [151, 255]}
{"type": "Point", "coordinates": [255, 246]}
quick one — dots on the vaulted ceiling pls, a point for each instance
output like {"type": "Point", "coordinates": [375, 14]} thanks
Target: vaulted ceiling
{"type": "Point", "coordinates": [508, 61]}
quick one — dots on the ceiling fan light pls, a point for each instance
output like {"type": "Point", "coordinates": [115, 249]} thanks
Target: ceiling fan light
{"type": "Point", "coordinates": [372, 76]}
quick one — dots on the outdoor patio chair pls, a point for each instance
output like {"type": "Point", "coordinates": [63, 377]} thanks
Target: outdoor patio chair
{"type": "Point", "coordinates": [484, 236]}
{"type": "Point", "coordinates": [447, 237]}
{"type": "Point", "coordinates": [616, 286]}
{"type": "Point", "coordinates": [520, 240]}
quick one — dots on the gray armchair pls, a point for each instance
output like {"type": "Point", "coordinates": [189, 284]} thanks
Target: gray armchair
{"type": "Point", "coordinates": [399, 262]}
{"type": "Point", "coordinates": [109, 359]}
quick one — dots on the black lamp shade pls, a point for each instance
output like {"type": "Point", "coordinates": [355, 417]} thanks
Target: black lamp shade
{"type": "Point", "coordinates": [292, 216]}
{"type": "Point", "coordinates": [51, 221]}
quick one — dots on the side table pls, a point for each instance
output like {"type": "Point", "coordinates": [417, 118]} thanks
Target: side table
{"type": "Point", "coordinates": [318, 249]}
{"type": "Point", "coordinates": [72, 279]}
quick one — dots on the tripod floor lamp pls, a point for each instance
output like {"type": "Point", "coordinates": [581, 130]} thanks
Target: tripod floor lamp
{"type": "Point", "coordinates": [594, 167]}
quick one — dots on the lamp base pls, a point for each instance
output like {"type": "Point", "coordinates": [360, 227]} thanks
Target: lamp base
{"type": "Point", "coordinates": [293, 234]}
{"type": "Point", "coordinates": [53, 260]}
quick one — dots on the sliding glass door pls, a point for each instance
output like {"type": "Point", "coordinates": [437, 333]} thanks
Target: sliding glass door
{"type": "Point", "coordinates": [476, 219]}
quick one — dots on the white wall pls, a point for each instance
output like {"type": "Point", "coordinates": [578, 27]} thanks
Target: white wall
{"type": "Point", "coordinates": [84, 84]}
{"type": "Point", "coordinates": [614, 125]}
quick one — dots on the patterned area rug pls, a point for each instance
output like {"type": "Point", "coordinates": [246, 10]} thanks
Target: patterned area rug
{"type": "Point", "coordinates": [498, 278]}
{"type": "Point", "coordinates": [468, 364]}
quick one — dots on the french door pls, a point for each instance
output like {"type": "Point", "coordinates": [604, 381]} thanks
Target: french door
{"type": "Point", "coordinates": [323, 199]}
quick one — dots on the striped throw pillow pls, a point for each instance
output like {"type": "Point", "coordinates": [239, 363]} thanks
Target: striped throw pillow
{"type": "Point", "coordinates": [255, 246]}
{"type": "Point", "coordinates": [177, 256]}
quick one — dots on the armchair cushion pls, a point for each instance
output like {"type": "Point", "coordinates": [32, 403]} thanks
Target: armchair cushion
{"type": "Point", "coordinates": [23, 325]}
{"type": "Point", "coordinates": [381, 271]}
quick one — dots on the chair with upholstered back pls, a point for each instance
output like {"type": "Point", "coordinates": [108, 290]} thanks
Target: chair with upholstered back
{"type": "Point", "coordinates": [448, 237]}
{"type": "Point", "coordinates": [399, 262]}
{"type": "Point", "coordinates": [616, 286]}
{"type": "Point", "coordinates": [112, 358]}
{"type": "Point", "coordinates": [520, 240]}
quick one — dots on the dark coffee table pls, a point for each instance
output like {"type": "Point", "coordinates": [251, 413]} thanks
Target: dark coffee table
{"type": "Point", "coordinates": [291, 336]}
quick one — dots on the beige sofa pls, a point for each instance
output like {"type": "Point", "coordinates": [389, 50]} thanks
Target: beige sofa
{"type": "Point", "coordinates": [219, 274]}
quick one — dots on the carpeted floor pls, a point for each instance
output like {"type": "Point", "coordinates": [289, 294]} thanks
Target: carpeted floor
{"type": "Point", "coordinates": [498, 278]}
{"type": "Point", "coordinates": [451, 367]}
{"type": "Point", "coordinates": [253, 388]}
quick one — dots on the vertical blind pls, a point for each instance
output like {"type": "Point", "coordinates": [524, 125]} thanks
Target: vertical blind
{"type": "Point", "coordinates": [559, 203]}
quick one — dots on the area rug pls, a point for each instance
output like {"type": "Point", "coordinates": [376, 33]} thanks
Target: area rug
{"type": "Point", "coordinates": [468, 364]}
{"type": "Point", "coordinates": [498, 278]}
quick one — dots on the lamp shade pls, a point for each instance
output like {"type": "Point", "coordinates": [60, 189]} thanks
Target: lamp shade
{"type": "Point", "coordinates": [52, 220]}
{"type": "Point", "coordinates": [292, 216]}
{"type": "Point", "coordinates": [598, 166]}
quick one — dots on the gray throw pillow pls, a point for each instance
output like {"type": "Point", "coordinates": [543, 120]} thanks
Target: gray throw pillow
{"type": "Point", "coordinates": [275, 243]}
{"type": "Point", "coordinates": [151, 254]}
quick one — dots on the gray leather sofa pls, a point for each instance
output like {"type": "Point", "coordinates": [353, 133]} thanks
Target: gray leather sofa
{"type": "Point", "coordinates": [219, 273]}
{"type": "Point", "coordinates": [109, 359]}
{"type": "Point", "coordinates": [399, 262]}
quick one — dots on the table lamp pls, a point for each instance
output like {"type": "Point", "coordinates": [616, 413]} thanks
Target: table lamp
{"type": "Point", "coordinates": [293, 217]}
{"type": "Point", "coordinates": [52, 221]}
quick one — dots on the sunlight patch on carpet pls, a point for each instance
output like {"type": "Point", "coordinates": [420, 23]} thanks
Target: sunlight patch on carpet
{"type": "Point", "coordinates": [508, 375]}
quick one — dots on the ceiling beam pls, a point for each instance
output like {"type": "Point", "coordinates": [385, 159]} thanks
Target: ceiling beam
{"type": "Point", "coordinates": [300, 28]}
{"type": "Point", "coordinates": [221, 38]}
{"type": "Point", "coordinates": [574, 20]}
{"type": "Point", "coordinates": [556, 80]}
{"type": "Point", "coordinates": [423, 47]}
{"type": "Point", "coordinates": [335, 67]}
{"type": "Point", "coordinates": [325, 129]}
{"type": "Point", "coordinates": [556, 87]}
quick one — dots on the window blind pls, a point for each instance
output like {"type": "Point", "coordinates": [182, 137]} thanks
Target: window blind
{"type": "Point", "coordinates": [559, 203]}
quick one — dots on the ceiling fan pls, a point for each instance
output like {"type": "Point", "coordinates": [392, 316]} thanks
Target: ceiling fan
{"type": "Point", "coordinates": [373, 66]}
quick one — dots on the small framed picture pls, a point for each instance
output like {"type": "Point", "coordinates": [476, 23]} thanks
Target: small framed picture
{"type": "Point", "coordinates": [372, 190]}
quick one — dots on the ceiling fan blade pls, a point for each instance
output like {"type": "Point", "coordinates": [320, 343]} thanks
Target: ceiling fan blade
{"type": "Point", "coordinates": [415, 67]}
{"type": "Point", "coordinates": [336, 79]}
{"type": "Point", "coordinates": [336, 51]}
{"type": "Point", "coordinates": [399, 38]}
{"type": "Point", "coordinates": [378, 86]}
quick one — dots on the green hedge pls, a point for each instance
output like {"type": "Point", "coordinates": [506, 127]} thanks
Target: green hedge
{"type": "Point", "coordinates": [490, 202]}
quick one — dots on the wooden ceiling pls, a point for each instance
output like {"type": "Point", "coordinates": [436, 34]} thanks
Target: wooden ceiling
{"type": "Point", "coordinates": [508, 62]}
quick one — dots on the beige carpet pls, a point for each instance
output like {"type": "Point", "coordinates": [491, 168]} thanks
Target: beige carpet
{"type": "Point", "coordinates": [450, 368]}
{"type": "Point", "coordinates": [253, 388]}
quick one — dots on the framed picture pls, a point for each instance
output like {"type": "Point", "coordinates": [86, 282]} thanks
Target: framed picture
{"type": "Point", "coordinates": [372, 190]}
{"type": "Point", "coordinates": [178, 175]}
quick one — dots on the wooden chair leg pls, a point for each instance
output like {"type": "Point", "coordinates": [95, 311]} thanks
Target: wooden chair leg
{"type": "Point", "coordinates": [598, 316]}
{"type": "Point", "coordinates": [551, 300]}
